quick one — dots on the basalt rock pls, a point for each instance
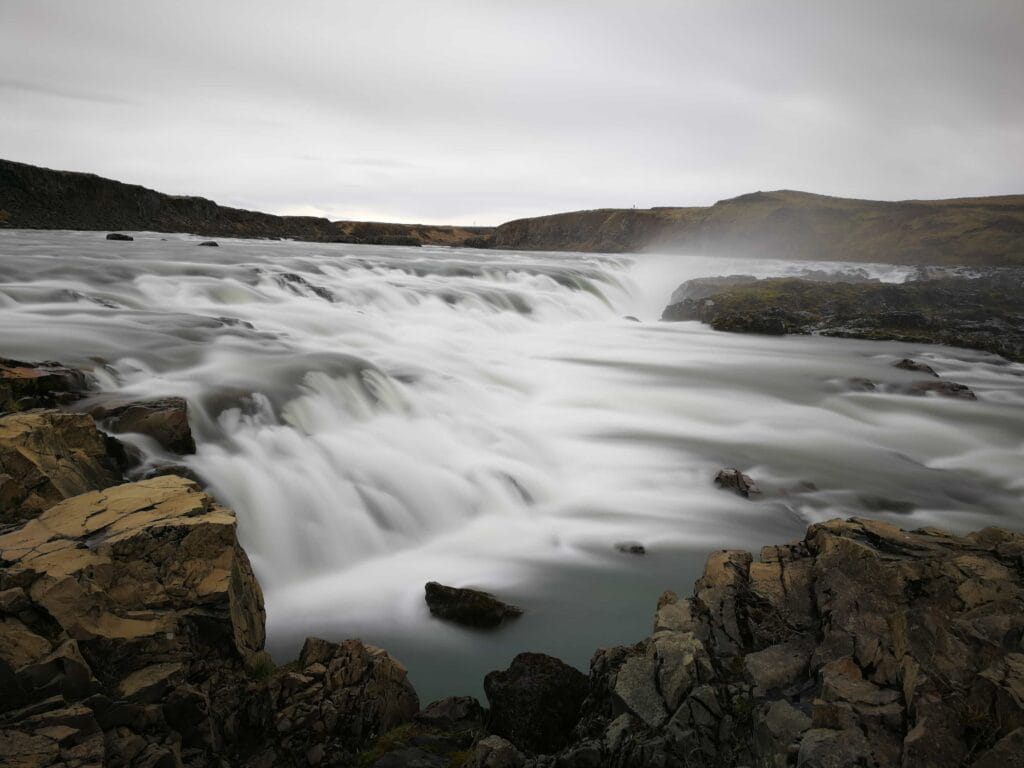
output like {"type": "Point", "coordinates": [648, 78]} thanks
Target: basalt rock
{"type": "Point", "coordinates": [860, 645]}
{"type": "Point", "coordinates": [985, 313]}
{"type": "Point", "coordinates": [468, 606]}
{"type": "Point", "coordinates": [49, 456]}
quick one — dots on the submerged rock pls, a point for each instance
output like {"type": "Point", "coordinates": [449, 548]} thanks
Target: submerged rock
{"type": "Point", "coordinates": [942, 389]}
{"type": "Point", "coordinates": [631, 548]}
{"type": "Point", "coordinates": [210, 244]}
{"type": "Point", "coordinates": [120, 236]}
{"type": "Point", "coordinates": [737, 482]}
{"type": "Point", "coordinates": [468, 606]}
{"type": "Point", "coordinates": [913, 365]}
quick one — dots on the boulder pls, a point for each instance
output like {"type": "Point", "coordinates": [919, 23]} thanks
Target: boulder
{"type": "Point", "coordinates": [164, 419]}
{"type": "Point", "coordinates": [536, 702]}
{"type": "Point", "coordinates": [495, 752]}
{"type": "Point", "coordinates": [737, 482]}
{"type": "Point", "coordinates": [49, 456]}
{"type": "Point", "coordinates": [120, 237]}
{"type": "Point", "coordinates": [210, 243]}
{"type": "Point", "coordinates": [468, 606]}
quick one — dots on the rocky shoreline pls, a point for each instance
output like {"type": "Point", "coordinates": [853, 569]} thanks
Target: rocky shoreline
{"type": "Point", "coordinates": [984, 312]}
{"type": "Point", "coordinates": [132, 630]}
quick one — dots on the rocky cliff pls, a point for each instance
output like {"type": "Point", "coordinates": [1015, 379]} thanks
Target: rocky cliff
{"type": "Point", "coordinates": [40, 198]}
{"type": "Point", "coordinates": [794, 225]}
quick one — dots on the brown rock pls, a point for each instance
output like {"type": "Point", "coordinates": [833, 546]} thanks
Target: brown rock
{"type": "Point", "coordinates": [38, 384]}
{"type": "Point", "coordinates": [468, 606]}
{"type": "Point", "coordinates": [164, 419]}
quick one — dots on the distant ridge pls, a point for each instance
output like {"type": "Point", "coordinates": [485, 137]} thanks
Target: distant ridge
{"type": "Point", "coordinates": [41, 198]}
{"type": "Point", "coordinates": [784, 224]}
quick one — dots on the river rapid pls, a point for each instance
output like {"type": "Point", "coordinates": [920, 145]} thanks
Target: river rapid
{"type": "Point", "coordinates": [382, 417]}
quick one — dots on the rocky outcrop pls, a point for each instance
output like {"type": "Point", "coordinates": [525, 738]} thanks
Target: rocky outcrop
{"type": "Point", "coordinates": [164, 419]}
{"type": "Point", "coordinates": [49, 456]}
{"type": "Point", "coordinates": [24, 386]}
{"type": "Point", "coordinates": [468, 606]}
{"type": "Point", "coordinates": [40, 198]}
{"type": "Point", "coordinates": [860, 645]}
{"type": "Point", "coordinates": [984, 313]}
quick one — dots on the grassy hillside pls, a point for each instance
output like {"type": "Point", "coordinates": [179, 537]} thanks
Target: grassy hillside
{"type": "Point", "coordinates": [794, 225]}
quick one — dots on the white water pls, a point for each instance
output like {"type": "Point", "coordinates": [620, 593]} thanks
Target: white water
{"type": "Point", "coordinates": [381, 417]}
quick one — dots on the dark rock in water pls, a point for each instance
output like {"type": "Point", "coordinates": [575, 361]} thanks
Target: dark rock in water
{"type": "Point", "coordinates": [737, 482]}
{"type": "Point", "coordinates": [631, 547]}
{"type": "Point", "coordinates": [861, 384]}
{"type": "Point", "coordinates": [536, 702]}
{"type": "Point", "coordinates": [468, 606]}
{"type": "Point", "coordinates": [210, 244]}
{"type": "Point", "coordinates": [178, 470]}
{"type": "Point", "coordinates": [164, 419]}
{"type": "Point", "coordinates": [883, 504]}
{"type": "Point", "coordinates": [631, 318]}
{"type": "Point", "coordinates": [942, 388]}
{"type": "Point", "coordinates": [119, 236]}
{"type": "Point", "coordinates": [912, 365]}
{"type": "Point", "coordinates": [35, 385]}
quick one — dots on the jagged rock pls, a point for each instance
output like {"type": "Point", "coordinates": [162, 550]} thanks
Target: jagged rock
{"type": "Point", "coordinates": [37, 385]}
{"type": "Point", "coordinates": [913, 365]}
{"type": "Point", "coordinates": [455, 713]}
{"type": "Point", "coordinates": [468, 606]}
{"type": "Point", "coordinates": [737, 482]}
{"type": "Point", "coordinates": [164, 419]}
{"type": "Point", "coordinates": [120, 236]}
{"type": "Point", "coordinates": [535, 703]}
{"type": "Point", "coordinates": [48, 456]}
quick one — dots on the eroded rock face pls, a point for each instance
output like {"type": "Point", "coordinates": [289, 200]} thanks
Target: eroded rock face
{"type": "Point", "coordinates": [860, 645]}
{"type": "Point", "coordinates": [49, 456]}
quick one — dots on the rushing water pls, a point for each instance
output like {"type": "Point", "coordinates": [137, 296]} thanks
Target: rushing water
{"type": "Point", "coordinates": [382, 417]}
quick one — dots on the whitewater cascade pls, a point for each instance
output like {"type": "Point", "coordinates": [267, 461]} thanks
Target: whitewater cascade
{"type": "Point", "coordinates": [381, 417]}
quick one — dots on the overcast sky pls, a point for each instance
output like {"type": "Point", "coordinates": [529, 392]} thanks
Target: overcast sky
{"type": "Point", "coordinates": [486, 111]}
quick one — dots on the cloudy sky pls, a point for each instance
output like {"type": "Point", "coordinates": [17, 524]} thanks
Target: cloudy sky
{"type": "Point", "coordinates": [441, 111]}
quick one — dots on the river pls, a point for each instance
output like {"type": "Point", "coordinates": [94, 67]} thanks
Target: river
{"type": "Point", "coordinates": [382, 417]}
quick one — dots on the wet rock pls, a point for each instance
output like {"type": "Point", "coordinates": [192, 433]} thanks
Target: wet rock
{"type": "Point", "coordinates": [860, 384]}
{"type": "Point", "coordinates": [120, 236]}
{"type": "Point", "coordinates": [942, 389]}
{"type": "Point", "coordinates": [164, 419]}
{"type": "Point", "coordinates": [36, 385]}
{"type": "Point", "coordinates": [737, 482]}
{"type": "Point", "coordinates": [48, 456]}
{"type": "Point", "coordinates": [210, 244]}
{"type": "Point", "coordinates": [631, 548]}
{"type": "Point", "coordinates": [468, 606]}
{"type": "Point", "coordinates": [912, 365]}
{"type": "Point", "coordinates": [536, 702]}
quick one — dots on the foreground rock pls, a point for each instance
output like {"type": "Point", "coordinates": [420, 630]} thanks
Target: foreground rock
{"type": "Point", "coordinates": [49, 456]}
{"type": "Point", "coordinates": [985, 313]}
{"type": "Point", "coordinates": [131, 629]}
{"type": "Point", "coordinates": [860, 645]}
{"type": "Point", "coordinates": [468, 606]}
{"type": "Point", "coordinates": [24, 386]}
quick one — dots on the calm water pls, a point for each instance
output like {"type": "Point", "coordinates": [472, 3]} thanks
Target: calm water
{"type": "Point", "coordinates": [382, 417]}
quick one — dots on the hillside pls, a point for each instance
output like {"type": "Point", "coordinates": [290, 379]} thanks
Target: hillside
{"type": "Point", "coordinates": [794, 225]}
{"type": "Point", "coordinates": [40, 198]}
